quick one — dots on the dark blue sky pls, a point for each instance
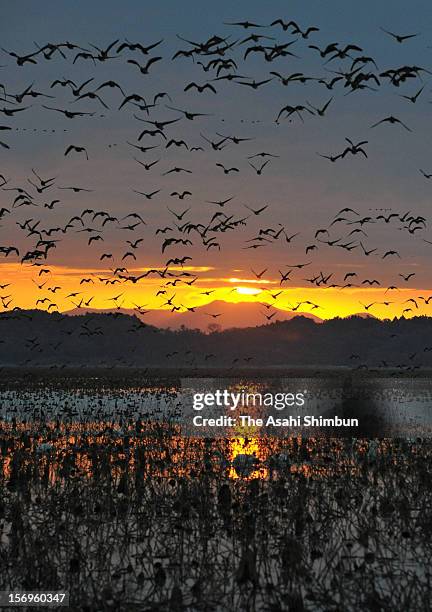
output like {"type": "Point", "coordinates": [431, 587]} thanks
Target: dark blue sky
{"type": "Point", "coordinates": [23, 21]}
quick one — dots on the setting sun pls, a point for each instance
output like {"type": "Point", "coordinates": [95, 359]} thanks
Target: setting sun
{"type": "Point", "coordinates": [247, 290]}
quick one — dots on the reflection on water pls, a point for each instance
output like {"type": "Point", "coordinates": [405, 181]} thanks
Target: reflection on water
{"type": "Point", "coordinates": [375, 407]}
{"type": "Point", "coordinates": [102, 494]}
{"type": "Point", "coordinates": [53, 452]}
{"type": "Point", "coordinates": [384, 407]}
{"type": "Point", "coordinates": [62, 431]}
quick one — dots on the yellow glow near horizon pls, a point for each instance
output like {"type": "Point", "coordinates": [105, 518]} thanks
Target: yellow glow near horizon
{"type": "Point", "coordinates": [249, 280]}
{"type": "Point", "coordinates": [154, 292]}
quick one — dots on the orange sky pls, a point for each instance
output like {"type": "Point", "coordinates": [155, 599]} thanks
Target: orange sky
{"type": "Point", "coordinates": [239, 287]}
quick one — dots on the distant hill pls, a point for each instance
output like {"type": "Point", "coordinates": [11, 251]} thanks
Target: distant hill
{"type": "Point", "coordinates": [39, 338]}
{"type": "Point", "coordinates": [363, 315]}
{"type": "Point", "coordinates": [242, 314]}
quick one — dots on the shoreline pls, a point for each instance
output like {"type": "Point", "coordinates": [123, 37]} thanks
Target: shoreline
{"type": "Point", "coordinates": [55, 371]}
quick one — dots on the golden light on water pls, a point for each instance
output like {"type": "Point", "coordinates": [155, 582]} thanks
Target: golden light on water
{"type": "Point", "coordinates": [247, 442]}
{"type": "Point", "coordinates": [246, 446]}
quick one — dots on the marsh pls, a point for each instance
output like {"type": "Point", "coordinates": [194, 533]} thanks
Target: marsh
{"type": "Point", "coordinates": [102, 495]}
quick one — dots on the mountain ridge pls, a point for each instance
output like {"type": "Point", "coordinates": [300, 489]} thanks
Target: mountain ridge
{"type": "Point", "coordinates": [39, 338]}
{"type": "Point", "coordinates": [233, 315]}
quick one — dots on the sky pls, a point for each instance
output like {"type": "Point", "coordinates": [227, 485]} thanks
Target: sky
{"type": "Point", "coordinates": [301, 190]}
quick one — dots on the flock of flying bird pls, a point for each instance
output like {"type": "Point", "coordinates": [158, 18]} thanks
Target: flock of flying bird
{"type": "Point", "coordinates": [218, 61]}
